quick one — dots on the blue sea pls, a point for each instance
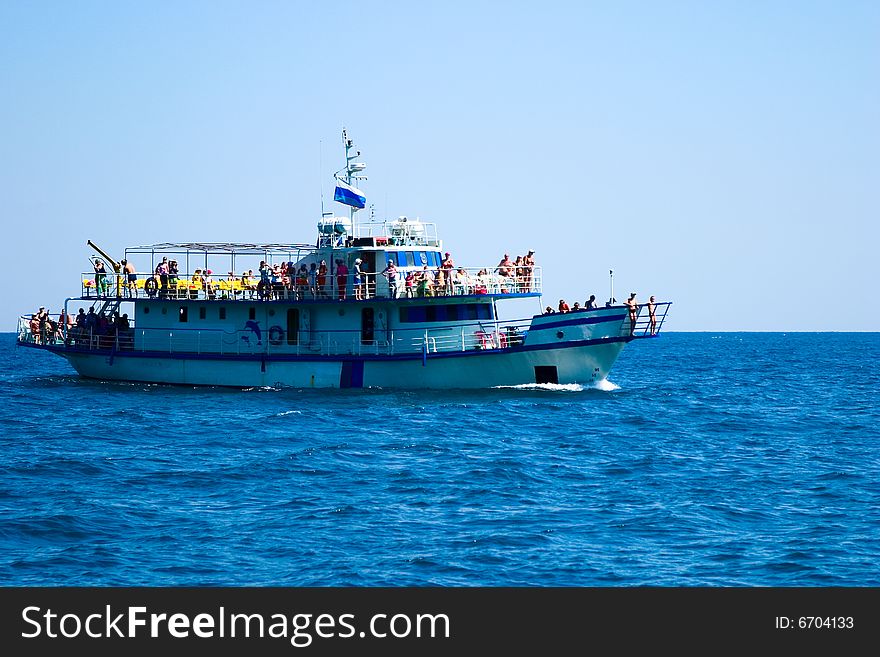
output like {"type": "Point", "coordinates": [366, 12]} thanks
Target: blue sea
{"type": "Point", "coordinates": [728, 459]}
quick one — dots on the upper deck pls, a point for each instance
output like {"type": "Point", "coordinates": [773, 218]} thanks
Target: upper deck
{"type": "Point", "coordinates": [342, 266]}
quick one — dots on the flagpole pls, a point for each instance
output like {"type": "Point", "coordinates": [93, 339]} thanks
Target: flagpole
{"type": "Point", "coordinates": [611, 277]}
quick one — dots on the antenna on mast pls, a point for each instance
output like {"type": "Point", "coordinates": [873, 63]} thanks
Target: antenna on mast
{"type": "Point", "coordinates": [352, 169]}
{"type": "Point", "coordinates": [321, 175]}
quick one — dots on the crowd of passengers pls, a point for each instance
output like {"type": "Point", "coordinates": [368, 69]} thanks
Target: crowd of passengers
{"type": "Point", "coordinates": [510, 276]}
{"type": "Point", "coordinates": [287, 281]}
{"type": "Point", "coordinates": [86, 329]}
{"type": "Point", "coordinates": [631, 304]}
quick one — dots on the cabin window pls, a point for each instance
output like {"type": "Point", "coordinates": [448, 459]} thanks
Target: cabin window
{"type": "Point", "coordinates": [203, 312]}
{"type": "Point", "coordinates": [410, 259]}
{"type": "Point", "coordinates": [183, 314]}
{"type": "Point", "coordinates": [146, 310]}
{"type": "Point", "coordinates": [445, 313]}
{"type": "Point", "coordinates": [252, 313]}
{"type": "Point", "coordinates": [222, 312]}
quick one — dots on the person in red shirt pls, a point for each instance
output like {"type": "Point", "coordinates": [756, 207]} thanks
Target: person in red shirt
{"type": "Point", "coordinates": [563, 307]}
{"type": "Point", "coordinates": [341, 278]}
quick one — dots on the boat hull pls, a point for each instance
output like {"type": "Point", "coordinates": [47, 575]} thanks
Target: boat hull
{"type": "Point", "coordinates": [582, 363]}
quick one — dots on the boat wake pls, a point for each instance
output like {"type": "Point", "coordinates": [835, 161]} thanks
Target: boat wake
{"type": "Point", "coordinates": [604, 385]}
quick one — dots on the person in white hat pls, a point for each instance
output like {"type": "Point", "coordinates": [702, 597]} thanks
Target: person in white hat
{"type": "Point", "coordinates": [358, 279]}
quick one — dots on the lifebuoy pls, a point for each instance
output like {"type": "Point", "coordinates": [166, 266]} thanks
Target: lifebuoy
{"type": "Point", "coordinates": [151, 286]}
{"type": "Point", "coordinates": [276, 335]}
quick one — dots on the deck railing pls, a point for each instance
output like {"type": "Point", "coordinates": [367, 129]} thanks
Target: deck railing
{"type": "Point", "coordinates": [103, 333]}
{"type": "Point", "coordinates": [465, 337]}
{"type": "Point", "coordinates": [644, 325]}
{"type": "Point", "coordinates": [422, 283]}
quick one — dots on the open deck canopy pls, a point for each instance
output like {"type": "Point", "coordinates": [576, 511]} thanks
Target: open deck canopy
{"type": "Point", "coordinates": [219, 248]}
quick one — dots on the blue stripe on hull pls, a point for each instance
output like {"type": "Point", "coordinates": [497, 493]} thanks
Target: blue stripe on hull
{"type": "Point", "coordinates": [352, 374]}
{"type": "Point", "coordinates": [578, 322]}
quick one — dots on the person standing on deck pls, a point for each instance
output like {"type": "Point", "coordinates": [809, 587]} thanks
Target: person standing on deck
{"type": "Point", "coordinates": [130, 274]}
{"type": "Point", "coordinates": [652, 317]}
{"type": "Point", "coordinates": [390, 272]}
{"type": "Point", "coordinates": [321, 279]}
{"type": "Point", "coordinates": [633, 308]}
{"type": "Point", "coordinates": [100, 277]}
{"type": "Point", "coordinates": [162, 273]}
{"type": "Point", "coordinates": [448, 266]}
{"type": "Point", "coordinates": [528, 270]}
{"type": "Point", "coordinates": [313, 280]}
{"type": "Point", "coordinates": [341, 278]}
{"type": "Point", "coordinates": [505, 267]}
{"type": "Point", "coordinates": [358, 280]}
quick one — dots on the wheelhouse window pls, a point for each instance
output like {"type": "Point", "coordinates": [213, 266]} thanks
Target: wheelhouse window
{"type": "Point", "coordinates": [445, 313]}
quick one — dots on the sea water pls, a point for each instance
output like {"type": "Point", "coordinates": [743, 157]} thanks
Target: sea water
{"type": "Point", "coordinates": [724, 459]}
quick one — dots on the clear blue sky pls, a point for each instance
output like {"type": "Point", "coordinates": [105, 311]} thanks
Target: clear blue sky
{"type": "Point", "coordinates": [720, 154]}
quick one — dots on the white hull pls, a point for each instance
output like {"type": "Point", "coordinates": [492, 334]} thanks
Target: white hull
{"type": "Point", "coordinates": [569, 364]}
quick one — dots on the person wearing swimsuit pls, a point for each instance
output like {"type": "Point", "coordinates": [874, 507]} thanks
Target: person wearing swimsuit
{"type": "Point", "coordinates": [633, 310]}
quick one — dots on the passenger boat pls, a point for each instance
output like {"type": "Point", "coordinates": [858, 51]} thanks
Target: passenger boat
{"type": "Point", "coordinates": [348, 323]}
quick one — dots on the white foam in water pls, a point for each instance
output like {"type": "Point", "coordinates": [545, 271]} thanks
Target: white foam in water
{"type": "Point", "coordinates": [288, 413]}
{"type": "Point", "coordinates": [557, 387]}
{"type": "Point", "coordinates": [605, 385]}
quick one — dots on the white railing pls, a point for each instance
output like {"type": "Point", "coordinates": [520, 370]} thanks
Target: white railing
{"type": "Point", "coordinates": [410, 282]}
{"type": "Point", "coordinates": [466, 337]}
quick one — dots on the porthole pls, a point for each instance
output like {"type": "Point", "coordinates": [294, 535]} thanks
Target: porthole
{"type": "Point", "coordinates": [560, 334]}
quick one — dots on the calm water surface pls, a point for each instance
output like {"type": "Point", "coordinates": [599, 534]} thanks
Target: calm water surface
{"type": "Point", "coordinates": [712, 459]}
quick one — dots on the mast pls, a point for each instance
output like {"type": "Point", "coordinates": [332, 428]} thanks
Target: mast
{"type": "Point", "coordinates": [352, 168]}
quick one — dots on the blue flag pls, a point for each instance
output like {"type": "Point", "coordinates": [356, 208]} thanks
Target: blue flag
{"type": "Point", "coordinates": [349, 195]}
